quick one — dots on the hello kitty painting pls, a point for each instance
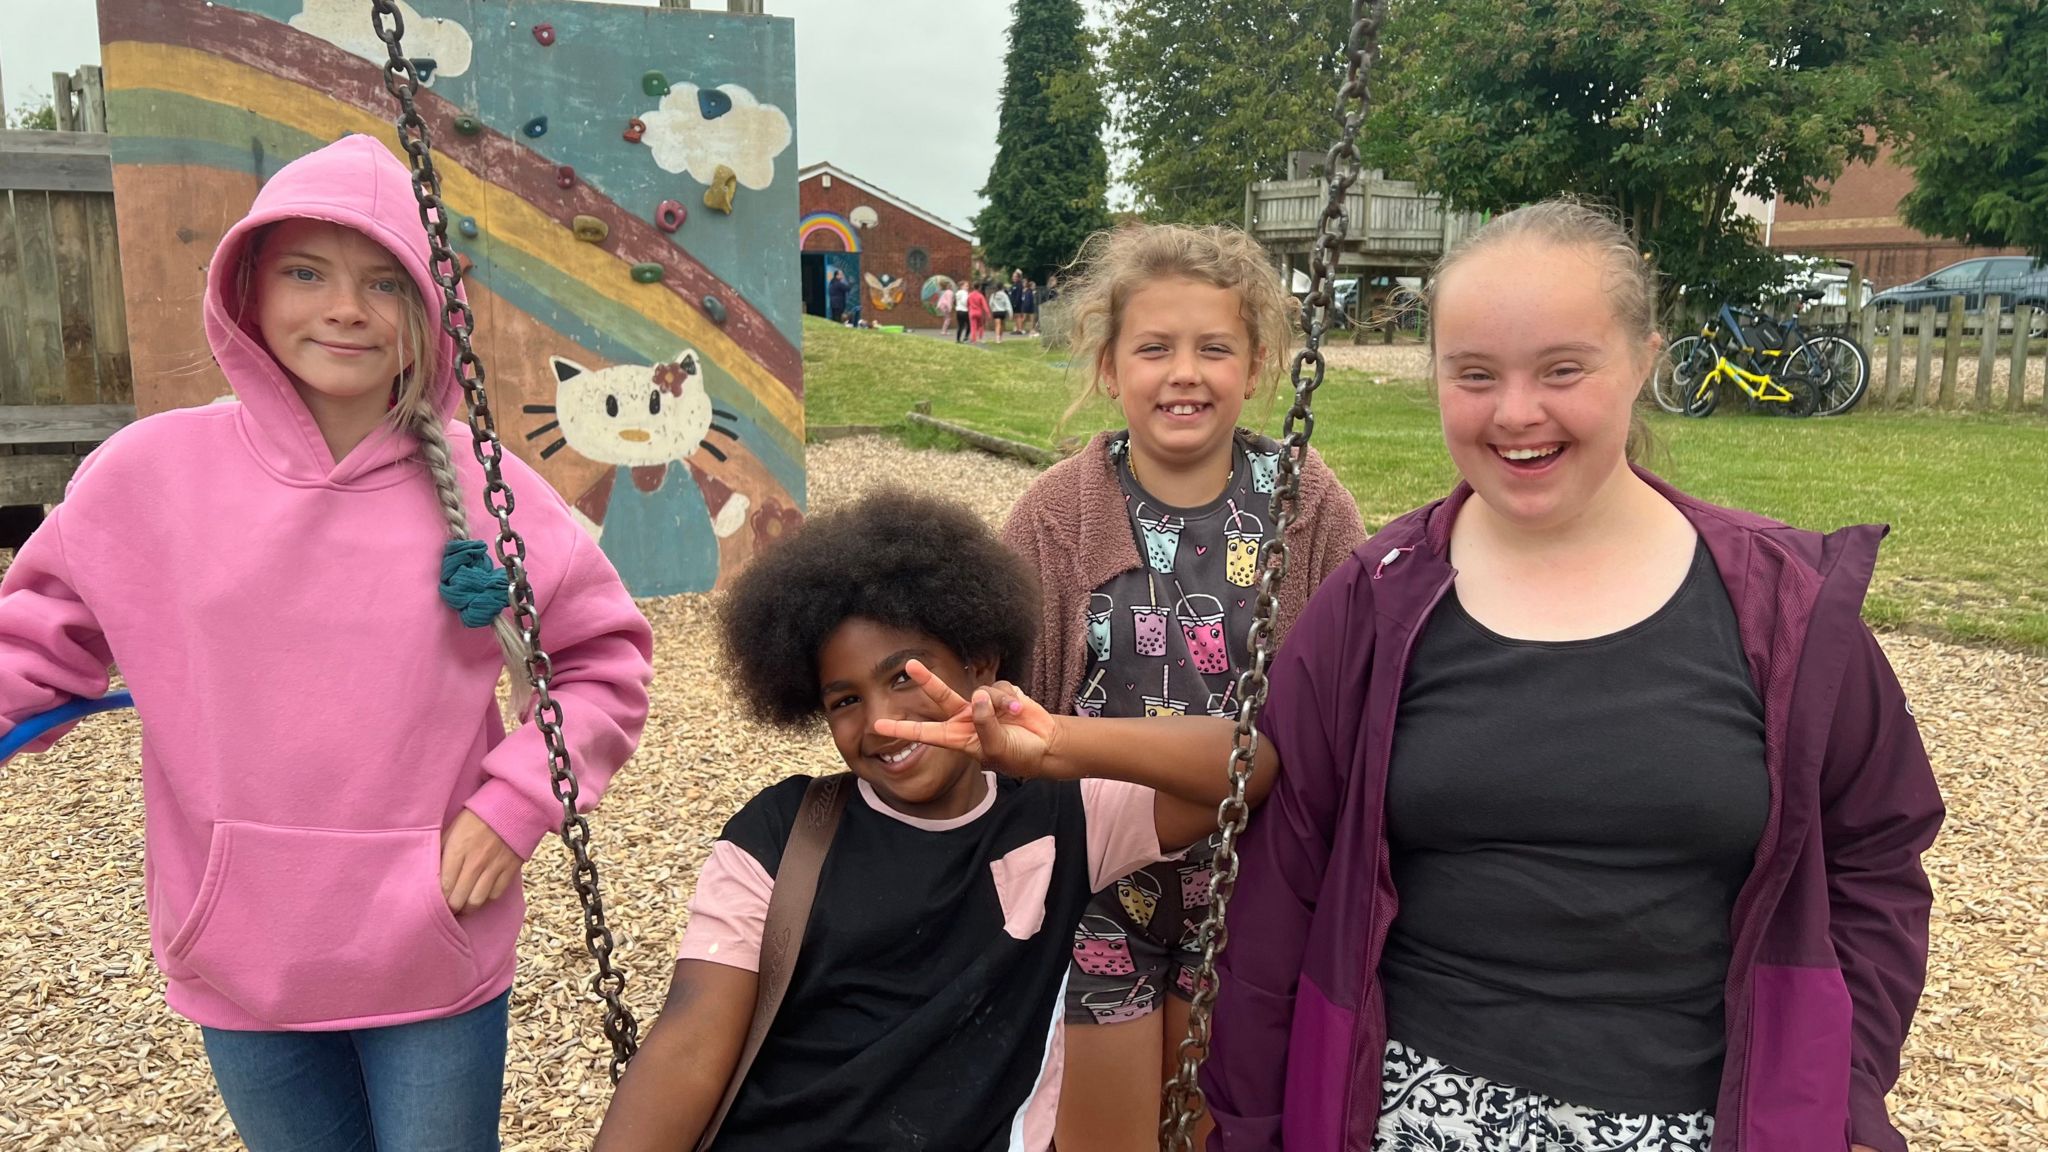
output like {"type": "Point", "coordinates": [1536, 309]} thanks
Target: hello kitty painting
{"type": "Point", "coordinates": [657, 503]}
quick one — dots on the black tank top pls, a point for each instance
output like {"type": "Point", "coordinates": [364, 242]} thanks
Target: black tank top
{"type": "Point", "coordinates": [1570, 823]}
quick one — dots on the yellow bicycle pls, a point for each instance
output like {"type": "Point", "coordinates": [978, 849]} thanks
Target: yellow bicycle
{"type": "Point", "coordinates": [1775, 379]}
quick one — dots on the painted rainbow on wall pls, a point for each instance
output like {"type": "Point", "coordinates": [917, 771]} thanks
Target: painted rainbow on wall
{"type": "Point", "coordinates": [830, 222]}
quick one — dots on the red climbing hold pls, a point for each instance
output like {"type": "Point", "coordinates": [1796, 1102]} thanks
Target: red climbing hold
{"type": "Point", "coordinates": [635, 129]}
{"type": "Point", "coordinates": [670, 216]}
{"type": "Point", "coordinates": [565, 176]}
{"type": "Point", "coordinates": [545, 33]}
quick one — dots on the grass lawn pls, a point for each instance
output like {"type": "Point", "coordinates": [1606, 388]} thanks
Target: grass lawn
{"type": "Point", "coordinates": [1966, 495]}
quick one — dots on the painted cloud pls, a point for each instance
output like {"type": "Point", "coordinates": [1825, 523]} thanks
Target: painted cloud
{"type": "Point", "coordinates": [697, 129]}
{"type": "Point", "coordinates": [346, 25]}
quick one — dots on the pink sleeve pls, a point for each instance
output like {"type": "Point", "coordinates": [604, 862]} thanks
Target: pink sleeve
{"type": "Point", "coordinates": [51, 647]}
{"type": "Point", "coordinates": [729, 911]}
{"type": "Point", "coordinates": [1123, 832]}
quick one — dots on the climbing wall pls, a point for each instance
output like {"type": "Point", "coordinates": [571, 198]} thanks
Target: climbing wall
{"type": "Point", "coordinates": [614, 176]}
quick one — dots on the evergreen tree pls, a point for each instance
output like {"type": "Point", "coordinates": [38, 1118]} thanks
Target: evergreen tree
{"type": "Point", "coordinates": [1047, 190]}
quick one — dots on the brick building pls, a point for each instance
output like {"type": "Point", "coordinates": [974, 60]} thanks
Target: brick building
{"type": "Point", "coordinates": [889, 248]}
{"type": "Point", "coordinates": [1860, 223]}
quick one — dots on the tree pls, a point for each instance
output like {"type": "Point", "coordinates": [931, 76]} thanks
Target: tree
{"type": "Point", "coordinates": [1048, 188]}
{"type": "Point", "coordinates": [38, 114]}
{"type": "Point", "coordinates": [1980, 157]}
{"type": "Point", "coordinates": [1211, 95]}
{"type": "Point", "coordinates": [1663, 109]}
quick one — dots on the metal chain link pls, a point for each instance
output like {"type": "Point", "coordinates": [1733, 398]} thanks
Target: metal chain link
{"type": "Point", "coordinates": [458, 321]}
{"type": "Point", "coordinates": [1184, 1099]}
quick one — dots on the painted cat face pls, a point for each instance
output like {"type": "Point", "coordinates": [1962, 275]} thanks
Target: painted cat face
{"type": "Point", "coordinates": [634, 415]}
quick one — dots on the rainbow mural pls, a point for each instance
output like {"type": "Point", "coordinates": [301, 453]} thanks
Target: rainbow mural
{"type": "Point", "coordinates": [207, 100]}
{"type": "Point", "coordinates": [828, 222]}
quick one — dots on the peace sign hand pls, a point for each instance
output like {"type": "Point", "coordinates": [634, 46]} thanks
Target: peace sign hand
{"type": "Point", "coordinates": [1001, 726]}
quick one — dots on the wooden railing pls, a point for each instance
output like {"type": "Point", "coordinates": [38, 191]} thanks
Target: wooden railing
{"type": "Point", "coordinates": [1391, 222]}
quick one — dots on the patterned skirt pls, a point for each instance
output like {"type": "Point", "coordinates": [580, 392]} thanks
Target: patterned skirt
{"type": "Point", "coordinates": [1428, 1106]}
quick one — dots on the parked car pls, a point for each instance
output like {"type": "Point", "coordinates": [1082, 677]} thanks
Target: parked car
{"type": "Point", "coordinates": [1831, 277]}
{"type": "Point", "coordinates": [2015, 280]}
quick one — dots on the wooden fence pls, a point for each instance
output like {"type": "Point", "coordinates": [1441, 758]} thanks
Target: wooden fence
{"type": "Point", "coordinates": [65, 377]}
{"type": "Point", "coordinates": [1975, 353]}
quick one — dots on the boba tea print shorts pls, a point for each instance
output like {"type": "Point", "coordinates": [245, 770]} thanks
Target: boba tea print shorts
{"type": "Point", "coordinates": [1141, 940]}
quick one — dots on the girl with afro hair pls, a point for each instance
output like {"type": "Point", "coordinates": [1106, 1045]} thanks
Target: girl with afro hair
{"type": "Point", "coordinates": [925, 1009]}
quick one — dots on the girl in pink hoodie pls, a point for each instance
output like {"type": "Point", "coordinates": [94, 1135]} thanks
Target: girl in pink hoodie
{"type": "Point", "coordinates": [336, 817]}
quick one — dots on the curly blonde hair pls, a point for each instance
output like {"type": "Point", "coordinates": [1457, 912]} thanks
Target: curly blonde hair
{"type": "Point", "coordinates": [1116, 263]}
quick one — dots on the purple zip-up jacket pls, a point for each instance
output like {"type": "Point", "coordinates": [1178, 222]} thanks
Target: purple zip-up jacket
{"type": "Point", "coordinates": [1829, 935]}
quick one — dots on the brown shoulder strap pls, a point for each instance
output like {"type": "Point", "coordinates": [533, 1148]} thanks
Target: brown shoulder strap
{"type": "Point", "coordinates": [789, 911]}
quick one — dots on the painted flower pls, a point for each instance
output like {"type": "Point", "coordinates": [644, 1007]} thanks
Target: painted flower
{"type": "Point", "coordinates": [670, 378]}
{"type": "Point", "coordinates": [774, 521]}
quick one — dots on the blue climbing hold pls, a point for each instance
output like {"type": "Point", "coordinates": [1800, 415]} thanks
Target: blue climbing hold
{"type": "Point", "coordinates": [536, 127]}
{"type": "Point", "coordinates": [713, 103]}
{"type": "Point", "coordinates": [476, 588]}
{"type": "Point", "coordinates": [467, 226]}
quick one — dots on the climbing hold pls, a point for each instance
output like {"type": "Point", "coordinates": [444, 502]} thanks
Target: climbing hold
{"type": "Point", "coordinates": [724, 183]}
{"type": "Point", "coordinates": [467, 126]}
{"type": "Point", "coordinates": [545, 33]}
{"type": "Point", "coordinates": [423, 67]}
{"type": "Point", "coordinates": [635, 129]}
{"type": "Point", "coordinates": [713, 103]}
{"type": "Point", "coordinates": [714, 308]}
{"type": "Point", "coordinates": [536, 127]}
{"type": "Point", "coordinates": [654, 84]}
{"type": "Point", "coordinates": [565, 176]}
{"type": "Point", "coordinates": [590, 229]}
{"type": "Point", "coordinates": [649, 273]}
{"type": "Point", "coordinates": [670, 216]}
{"type": "Point", "coordinates": [464, 262]}
{"type": "Point", "coordinates": [467, 226]}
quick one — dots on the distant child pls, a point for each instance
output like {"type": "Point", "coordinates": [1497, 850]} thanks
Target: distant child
{"type": "Point", "coordinates": [961, 312]}
{"type": "Point", "coordinates": [925, 1009]}
{"type": "Point", "coordinates": [944, 304]}
{"type": "Point", "coordinates": [1150, 544]}
{"type": "Point", "coordinates": [336, 818]}
{"type": "Point", "coordinates": [1000, 308]}
{"type": "Point", "coordinates": [978, 311]}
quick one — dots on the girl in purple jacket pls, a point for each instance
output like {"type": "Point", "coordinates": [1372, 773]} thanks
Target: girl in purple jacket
{"type": "Point", "coordinates": [1601, 813]}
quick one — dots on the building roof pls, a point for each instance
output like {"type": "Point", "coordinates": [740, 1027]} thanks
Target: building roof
{"type": "Point", "coordinates": [837, 173]}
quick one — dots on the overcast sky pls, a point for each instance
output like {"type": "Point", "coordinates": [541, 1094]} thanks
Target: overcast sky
{"type": "Point", "coordinates": [901, 93]}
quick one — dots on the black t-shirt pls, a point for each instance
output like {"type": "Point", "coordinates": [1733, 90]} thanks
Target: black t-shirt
{"type": "Point", "coordinates": [925, 1007]}
{"type": "Point", "coordinates": [1570, 823]}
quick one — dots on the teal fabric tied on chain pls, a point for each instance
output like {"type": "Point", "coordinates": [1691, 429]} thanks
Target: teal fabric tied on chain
{"type": "Point", "coordinates": [476, 588]}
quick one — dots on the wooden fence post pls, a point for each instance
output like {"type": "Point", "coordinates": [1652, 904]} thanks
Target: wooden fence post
{"type": "Point", "coordinates": [60, 102]}
{"type": "Point", "coordinates": [92, 98]}
{"type": "Point", "coordinates": [1952, 350]}
{"type": "Point", "coordinates": [1987, 349]}
{"type": "Point", "coordinates": [1923, 364]}
{"type": "Point", "coordinates": [2016, 388]}
{"type": "Point", "coordinates": [1895, 344]}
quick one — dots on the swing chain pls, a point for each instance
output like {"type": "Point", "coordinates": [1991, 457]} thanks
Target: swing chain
{"type": "Point", "coordinates": [1184, 1102]}
{"type": "Point", "coordinates": [401, 79]}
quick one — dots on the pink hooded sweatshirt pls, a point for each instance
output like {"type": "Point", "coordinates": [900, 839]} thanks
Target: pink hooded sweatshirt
{"type": "Point", "coordinates": [313, 714]}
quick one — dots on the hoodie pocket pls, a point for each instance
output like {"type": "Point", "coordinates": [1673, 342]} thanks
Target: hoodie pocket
{"type": "Point", "coordinates": [318, 925]}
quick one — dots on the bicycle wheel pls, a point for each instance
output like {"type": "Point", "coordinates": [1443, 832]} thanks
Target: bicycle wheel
{"type": "Point", "coordinates": [1805, 376]}
{"type": "Point", "coordinates": [1664, 388]}
{"type": "Point", "coordinates": [1696, 393]}
{"type": "Point", "coordinates": [1846, 374]}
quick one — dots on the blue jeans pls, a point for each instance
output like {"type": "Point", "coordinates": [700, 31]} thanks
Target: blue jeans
{"type": "Point", "coordinates": [430, 1086]}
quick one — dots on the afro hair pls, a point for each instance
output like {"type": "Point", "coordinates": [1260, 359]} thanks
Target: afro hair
{"type": "Point", "coordinates": [900, 560]}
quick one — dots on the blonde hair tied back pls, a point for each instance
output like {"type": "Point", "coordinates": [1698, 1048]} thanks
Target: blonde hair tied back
{"type": "Point", "coordinates": [1114, 264]}
{"type": "Point", "coordinates": [1630, 279]}
{"type": "Point", "coordinates": [417, 412]}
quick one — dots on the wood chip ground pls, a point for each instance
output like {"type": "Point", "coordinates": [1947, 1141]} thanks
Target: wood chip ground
{"type": "Point", "coordinates": [90, 1058]}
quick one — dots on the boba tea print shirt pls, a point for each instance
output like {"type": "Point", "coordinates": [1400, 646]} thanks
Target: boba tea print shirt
{"type": "Point", "coordinates": [1168, 638]}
